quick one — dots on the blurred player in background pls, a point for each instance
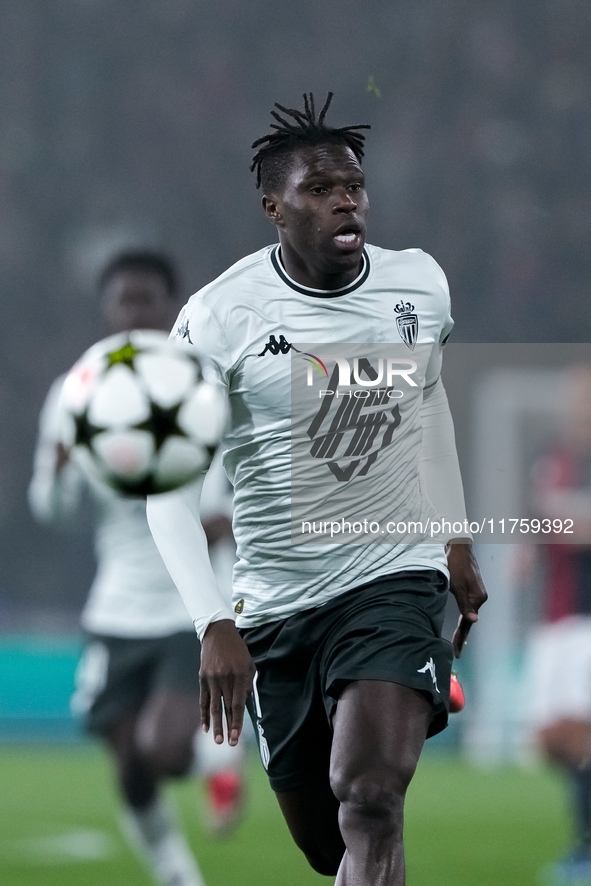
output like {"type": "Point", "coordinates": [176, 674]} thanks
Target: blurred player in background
{"type": "Point", "coordinates": [340, 645]}
{"type": "Point", "coordinates": [137, 682]}
{"type": "Point", "coordinates": [560, 649]}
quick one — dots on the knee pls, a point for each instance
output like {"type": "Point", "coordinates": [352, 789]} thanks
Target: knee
{"type": "Point", "coordinates": [566, 742]}
{"type": "Point", "coordinates": [372, 797]}
{"type": "Point", "coordinates": [165, 755]}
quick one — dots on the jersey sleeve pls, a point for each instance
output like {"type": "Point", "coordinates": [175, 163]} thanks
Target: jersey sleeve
{"type": "Point", "coordinates": [175, 524]}
{"type": "Point", "coordinates": [438, 464]}
{"type": "Point", "coordinates": [198, 326]}
{"type": "Point", "coordinates": [446, 325]}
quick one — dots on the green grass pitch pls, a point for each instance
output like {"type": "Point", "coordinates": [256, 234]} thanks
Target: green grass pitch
{"type": "Point", "coordinates": [464, 825]}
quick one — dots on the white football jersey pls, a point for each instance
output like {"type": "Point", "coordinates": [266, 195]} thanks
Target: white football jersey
{"type": "Point", "coordinates": [132, 594]}
{"type": "Point", "coordinates": [249, 321]}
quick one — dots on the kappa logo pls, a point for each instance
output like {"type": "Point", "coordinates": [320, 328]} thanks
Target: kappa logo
{"type": "Point", "coordinates": [282, 346]}
{"type": "Point", "coordinates": [183, 332]}
{"type": "Point", "coordinates": [430, 666]}
{"type": "Point", "coordinates": [408, 323]}
{"type": "Point", "coordinates": [276, 347]}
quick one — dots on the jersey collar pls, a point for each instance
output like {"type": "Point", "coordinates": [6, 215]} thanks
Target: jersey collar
{"type": "Point", "coordinates": [319, 293]}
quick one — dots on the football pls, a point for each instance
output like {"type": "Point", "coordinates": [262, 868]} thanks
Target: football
{"type": "Point", "coordinates": [141, 413]}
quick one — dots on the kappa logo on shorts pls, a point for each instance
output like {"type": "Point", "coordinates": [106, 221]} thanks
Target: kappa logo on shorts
{"type": "Point", "coordinates": [430, 666]}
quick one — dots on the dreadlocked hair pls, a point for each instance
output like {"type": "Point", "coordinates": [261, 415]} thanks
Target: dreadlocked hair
{"type": "Point", "coordinates": [303, 129]}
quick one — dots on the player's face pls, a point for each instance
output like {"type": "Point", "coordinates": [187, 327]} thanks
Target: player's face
{"type": "Point", "coordinates": [321, 214]}
{"type": "Point", "coordinates": [138, 300]}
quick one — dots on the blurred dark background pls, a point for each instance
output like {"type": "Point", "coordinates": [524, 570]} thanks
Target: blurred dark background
{"type": "Point", "coordinates": [130, 122]}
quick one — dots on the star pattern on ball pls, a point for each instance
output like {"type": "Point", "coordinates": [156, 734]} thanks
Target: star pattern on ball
{"type": "Point", "coordinates": [120, 431]}
{"type": "Point", "coordinates": [162, 423]}
{"type": "Point", "coordinates": [85, 430]}
{"type": "Point", "coordinates": [125, 355]}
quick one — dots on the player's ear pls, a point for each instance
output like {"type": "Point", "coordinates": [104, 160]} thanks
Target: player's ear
{"type": "Point", "coordinates": [272, 209]}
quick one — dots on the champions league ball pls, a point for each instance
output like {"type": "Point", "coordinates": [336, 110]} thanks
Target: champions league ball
{"type": "Point", "coordinates": [142, 414]}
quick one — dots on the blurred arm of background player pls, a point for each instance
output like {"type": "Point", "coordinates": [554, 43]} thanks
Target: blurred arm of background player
{"type": "Point", "coordinates": [56, 486]}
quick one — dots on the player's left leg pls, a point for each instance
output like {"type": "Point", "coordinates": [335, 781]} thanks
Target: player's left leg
{"type": "Point", "coordinates": [379, 731]}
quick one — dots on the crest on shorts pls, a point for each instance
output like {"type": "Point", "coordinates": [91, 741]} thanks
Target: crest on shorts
{"type": "Point", "coordinates": [408, 323]}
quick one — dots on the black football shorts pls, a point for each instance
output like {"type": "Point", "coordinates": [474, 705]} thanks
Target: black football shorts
{"type": "Point", "coordinates": [388, 629]}
{"type": "Point", "coordinates": [116, 675]}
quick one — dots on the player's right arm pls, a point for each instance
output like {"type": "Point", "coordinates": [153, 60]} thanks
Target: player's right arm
{"type": "Point", "coordinates": [56, 484]}
{"type": "Point", "coordinates": [227, 670]}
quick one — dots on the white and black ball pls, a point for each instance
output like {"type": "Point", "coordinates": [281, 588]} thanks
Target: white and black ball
{"type": "Point", "coordinates": [142, 413]}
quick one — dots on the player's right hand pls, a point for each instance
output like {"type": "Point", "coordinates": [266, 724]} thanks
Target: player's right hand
{"type": "Point", "coordinates": [225, 679]}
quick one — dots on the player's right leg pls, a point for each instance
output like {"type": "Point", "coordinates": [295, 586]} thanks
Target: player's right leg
{"type": "Point", "coordinates": [137, 780]}
{"type": "Point", "coordinates": [372, 666]}
{"type": "Point", "coordinates": [121, 712]}
{"type": "Point", "coordinates": [379, 732]}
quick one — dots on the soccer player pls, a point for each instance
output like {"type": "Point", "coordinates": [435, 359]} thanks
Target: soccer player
{"type": "Point", "coordinates": [137, 682]}
{"type": "Point", "coordinates": [559, 661]}
{"type": "Point", "coordinates": [339, 644]}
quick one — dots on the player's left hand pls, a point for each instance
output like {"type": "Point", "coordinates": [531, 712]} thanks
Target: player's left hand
{"type": "Point", "coordinates": [465, 583]}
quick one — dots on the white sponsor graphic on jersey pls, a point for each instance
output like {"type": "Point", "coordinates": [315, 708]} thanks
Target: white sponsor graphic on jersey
{"type": "Point", "coordinates": [430, 666]}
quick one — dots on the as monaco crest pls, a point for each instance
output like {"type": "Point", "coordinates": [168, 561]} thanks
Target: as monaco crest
{"type": "Point", "coordinates": [408, 323]}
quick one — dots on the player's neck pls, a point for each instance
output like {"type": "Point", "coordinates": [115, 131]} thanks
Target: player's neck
{"type": "Point", "coordinates": [306, 274]}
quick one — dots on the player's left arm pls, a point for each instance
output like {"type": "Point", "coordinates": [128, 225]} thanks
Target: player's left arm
{"type": "Point", "coordinates": [440, 474]}
{"type": "Point", "coordinates": [227, 670]}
